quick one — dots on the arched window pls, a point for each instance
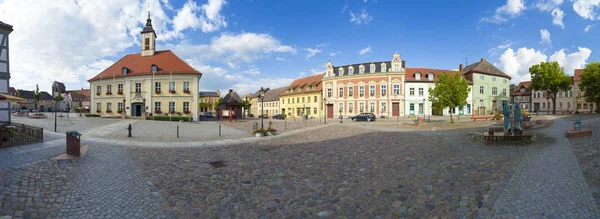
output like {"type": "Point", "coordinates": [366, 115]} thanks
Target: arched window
{"type": "Point", "coordinates": [154, 68]}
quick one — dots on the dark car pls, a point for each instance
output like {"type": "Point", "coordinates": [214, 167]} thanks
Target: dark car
{"type": "Point", "coordinates": [364, 117]}
{"type": "Point", "coordinates": [262, 116]}
{"type": "Point", "coordinates": [251, 115]}
{"type": "Point", "coordinates": [208, 115]}
{"type": "Point", "coordinates": [278, 116]}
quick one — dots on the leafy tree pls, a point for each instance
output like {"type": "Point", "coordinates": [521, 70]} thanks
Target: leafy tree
{"type": "Point", "coordinates": [246, 105]}
{"type": "Point", "coordinates": [590, 83]}
{"type": "Point", "coordinates": [451, 90]}
{"type": "Point", "coordinates": [36, 96]}
{"type": "Point", "coordinates": [217, 103]}
{"type": "Point", "coordinates": [550, 77]}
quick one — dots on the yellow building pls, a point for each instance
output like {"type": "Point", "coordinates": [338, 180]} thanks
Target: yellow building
{"type": "Point", "coordinates": [303, 97]}
{"type": "Point", "coordinates": [208, 99]}
{"type": "Point", "coordinates": [269, 105]}
{"type": "Point", "coordinates": [151, 82]}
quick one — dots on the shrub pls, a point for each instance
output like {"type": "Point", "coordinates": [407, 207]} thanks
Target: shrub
{"type": "Point", "coordinates": [259, 130]}
{"type": "Point", "coordinates": [271, 129]}
{"type": "Point", "coordinates": [498, 116]}
{"type": "Point", "coordinates": [172, 118]}
{"type": "Point", "coordinates": [92, 115]}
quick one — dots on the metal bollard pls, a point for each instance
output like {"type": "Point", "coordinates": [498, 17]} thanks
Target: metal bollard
{"type": "Point", "coordinates": [177, 131]}
{"type": "Point", "coordinates": [219, 130]}
{"type": "Point", "coordinates": [285, 123]}
{"type": "Point", "coordinates": [129, 130]}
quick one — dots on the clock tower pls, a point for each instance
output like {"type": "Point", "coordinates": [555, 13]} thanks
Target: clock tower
{"type": "Point", "coordinates": [148, 38]}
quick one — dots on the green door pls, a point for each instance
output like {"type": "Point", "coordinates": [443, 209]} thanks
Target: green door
{"type": "Point", "coordinates": [412, 109]}
{"type": "Point", "coordinates": [460, 110]}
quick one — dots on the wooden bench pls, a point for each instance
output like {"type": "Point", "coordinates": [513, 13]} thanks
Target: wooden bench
{"type": "Point", "coordinates": [481, 118]}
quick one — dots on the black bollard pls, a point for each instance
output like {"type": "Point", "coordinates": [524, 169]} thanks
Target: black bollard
{"type": "Point", "coordinates": [177, 131]}
{"type": "Point", "coordinates": [219, 130]}
{"type": "Point", "coordinates": [129, 130]}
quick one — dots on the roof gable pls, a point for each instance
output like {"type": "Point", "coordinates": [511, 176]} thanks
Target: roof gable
{"type": "Point", "coordinates": [484, 67]}
{"type": "Point", "coordinates": [303, 83]}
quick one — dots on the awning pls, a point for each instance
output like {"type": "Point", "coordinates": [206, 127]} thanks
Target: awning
{"type": "Point", "coordinates": [11, 99]}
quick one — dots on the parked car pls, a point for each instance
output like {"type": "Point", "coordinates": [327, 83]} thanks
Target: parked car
{"type": "Point", "coordinates": [25, 111]}
{"type": "Point", "coordinates": [278, 116]}
{"type": "Point", "coordinates": [263, 116]}
{"type": "Point", "coordinates": [251, 115]}
{"type": "Point", "coordinates": [208, 114]}
{"type": "Point", "coordinates": [364, 117]}
{"type": "Point", "coordinates": [34, 111]}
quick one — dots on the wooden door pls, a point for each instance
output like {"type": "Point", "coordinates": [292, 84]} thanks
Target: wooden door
{"type": "Point", "coordinates": [395, 109]}
{"type": "Point", "coordinates": [329, 110]}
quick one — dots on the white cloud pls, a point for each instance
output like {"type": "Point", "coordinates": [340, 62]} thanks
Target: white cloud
{"type": "Point", "coordinates": [588, 27]}
{"type": "Point", "coordinates": [365, 50]}
{"type": "Point", "coordinates": [571, 61]}
{"type": "Point", "coordinates": [587, 8]}
{"type": "Point", "coordinates": [517, 64]}
{"type": "Point", "coordinates": [362, 18]}
{"type": "Point", "coordinates": [545, 36]}
{"type": "Point", "coordinates": [316, 71]}
{"type": "Point", "coordinates": [335, 53]}
{"type": "Point", "coordinates": [280, 58]}
{"type": "Point", "coordinates": [548, 5]}
{"type": "Point", "coordinates": [251, 70]}
{"type": "Point", "coordinates": [207, 17]}
{"type": "Point", "coordinates": [557, 17]}
{"type": "Point", "coordinates": [506, 44]}
{"type": "Point", "coordinates": [232, 49]}
{"type": "Point", "coordinates": [511, 9]}
{"type": "Point", "coordinates": [302, 74]}
{"type": "Point", "coordinates": [311, 52]}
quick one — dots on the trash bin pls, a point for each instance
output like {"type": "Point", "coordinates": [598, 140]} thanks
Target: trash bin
{"type": "Point", "coordinates": [73, 143]}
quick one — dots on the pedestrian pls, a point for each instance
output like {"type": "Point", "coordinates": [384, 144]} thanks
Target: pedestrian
{"type": "Point", "coordinates": [341, 117]}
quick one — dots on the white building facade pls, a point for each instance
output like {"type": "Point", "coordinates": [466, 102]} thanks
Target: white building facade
{"type": "Point", "coordinates": [417, 84]}
{"type": "Point", "coordinates": [5, 30]}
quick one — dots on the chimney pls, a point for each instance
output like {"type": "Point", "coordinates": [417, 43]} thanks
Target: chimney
{"type": "Point", "coordinates": [230, 90]}
{"type": "Point", "coordinates": [460, 67]}
{"type": "Point", "coordinates": [482, 59]}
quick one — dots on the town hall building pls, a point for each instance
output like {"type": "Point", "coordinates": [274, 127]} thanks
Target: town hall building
{"type": "Point", "coordinates": [147, 83]}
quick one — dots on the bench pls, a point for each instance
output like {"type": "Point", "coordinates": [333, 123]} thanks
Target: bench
{"type": "Point", "coordinates": [481, 118]}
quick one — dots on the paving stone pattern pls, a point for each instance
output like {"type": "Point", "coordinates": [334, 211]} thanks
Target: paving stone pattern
{"type": "Point", "coordinates": [336, 171]}
{"type": "Point", "coordinates": [587, 151]}
{"type": "Point", "coordinates": [109, 186]}
{"type": "Point", "coordinates": [548, 182]}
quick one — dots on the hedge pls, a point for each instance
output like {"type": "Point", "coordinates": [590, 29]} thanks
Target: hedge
{"type": "Point", "coordinates": [92, 115]}
{"type": "Point", "coordinates": [173, 118]}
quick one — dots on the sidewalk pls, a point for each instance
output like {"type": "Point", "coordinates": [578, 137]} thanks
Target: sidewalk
{"type": "Point", "coordinates": [17, 156]}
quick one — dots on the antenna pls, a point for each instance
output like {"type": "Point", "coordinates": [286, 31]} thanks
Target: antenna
{"type": "Point", "coordinates": [466, 58]}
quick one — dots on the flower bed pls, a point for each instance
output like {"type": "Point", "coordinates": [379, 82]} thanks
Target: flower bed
{"type": "Point", "coordinates": [172, 118]}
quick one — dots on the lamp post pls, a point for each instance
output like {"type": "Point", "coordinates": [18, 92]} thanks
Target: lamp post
{"type": "Point", "coordinates": [262, 107]}
{"type": "Point", "coordinates": [424, 109]}
{"type": "Point", "coordinates": [324, 110]}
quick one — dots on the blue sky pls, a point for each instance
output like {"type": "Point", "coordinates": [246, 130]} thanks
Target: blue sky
{"type": "Point", "coordinates": [248, 44]}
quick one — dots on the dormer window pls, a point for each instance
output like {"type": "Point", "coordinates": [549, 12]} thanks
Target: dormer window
{"type": "Point", "coordinates": [430, 76]}
{"type": "Point", "coordinates": [383, 67]}
{"type": "Point", "coordinates": [154, 68]}
{"type": "Point", "coordinates": [372, 68]}
{"type": "Point", "coordinates": [341, 71]}
{"type": "Point", "coordinates": [418, 76]}
{"type": "Point", "coordinates": [350, 70]}
{"type": "Point", "coordinates": [396, 68]}
{"type": "Point", "coordinates": [124, 71]}
{"type": "Point", "coordinates": [361, 69]}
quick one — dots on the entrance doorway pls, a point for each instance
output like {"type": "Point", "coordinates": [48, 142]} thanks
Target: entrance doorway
{"type": "Point", "coordinates": [395, 109]}
{"type": "Point", "coordinates": [137, 109]}
{"type": "Point", "coordinates": [412, 109]}
{"type": "Point", "coordinates": [329, 110]}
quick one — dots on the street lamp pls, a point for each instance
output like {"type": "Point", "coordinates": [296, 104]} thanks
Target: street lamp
{"type": "Point", "coordinates": [262, 107]}
{"type": "Point", "coordinates": [324, 110]}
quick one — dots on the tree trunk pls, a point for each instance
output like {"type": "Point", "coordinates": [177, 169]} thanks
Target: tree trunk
{"type": "Point", "coordinates": [451, 119]}
{"type": "Point", "coordinates": [554, 103]}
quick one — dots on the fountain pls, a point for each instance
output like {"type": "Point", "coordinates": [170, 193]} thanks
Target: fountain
{"type": "Point", "coordinates": [511, 129]}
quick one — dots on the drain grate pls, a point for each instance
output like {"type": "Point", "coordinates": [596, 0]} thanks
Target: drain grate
{"type": "Point", "coordinates": [217, 164]}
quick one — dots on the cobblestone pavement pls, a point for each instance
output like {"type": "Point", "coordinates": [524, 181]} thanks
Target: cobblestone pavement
{"type": "Point", "coordinates": [548, 182]}
{"type": "Point", "coordinates": [66, 124]}
{"type": "Point", "coordinates": [336, 171]}
{"type": "Point", "coordinates": [282, 126]}
{"type": "Point", "coordinates": [52, 146]}
{"type": "Point", "coordinates": [587, 151]}
{"type": "Point", "coordinates": [102, 184]}
{"type": "Point", "coordinates": [162, 131]}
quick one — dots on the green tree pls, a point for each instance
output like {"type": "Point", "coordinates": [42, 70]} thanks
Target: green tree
{"type": "Point", "coordinates": [451, 90]}
{"type": "Point", "coordinates": [590, 84]}
{"type": "Point", "coordinates": [550, 77]}
{"type": "Point", "coordinates": [36, 96]}
{"type": "Point", "coordinates": [246, 105]}
{"type": "Point", "coordinates": [217, 103]}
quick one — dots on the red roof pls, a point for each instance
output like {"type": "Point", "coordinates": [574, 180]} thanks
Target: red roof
{"type": "Point", "coordinates": [304, 82]}
{"type": "Point", "coordinates": [137, 65]}
{"type": "Point", "coordinates": [410, 74]}
{"type": "Point", "coordinates": [525, 84]}
{"type": "Point", "coordinates": [577, 75]}
{"type": "Point", "coordinates": [84, 92]}
{"type": "Point", "coordinates": [12, 90]}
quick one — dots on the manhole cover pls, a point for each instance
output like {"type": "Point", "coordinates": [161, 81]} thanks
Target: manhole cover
{"type": "Point", "coordinates": [63, 162]}
{"type": "Point", "coordinates": [217, 164]}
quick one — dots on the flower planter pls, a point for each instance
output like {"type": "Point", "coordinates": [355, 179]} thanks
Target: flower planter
{"type": "Point", "coordinates": [120, 93]}
{"type": "Point", "coordinates": [109, 93]}
{"type": "Point", "coordinates": [97, 94]}
{"type": "Point", "coordinates": [157, 92]}
{"type": "Point", "coordinates": [186, 91]}
{"type": "Point", "coordinates": [259, 134]}
{"type": "Point", "coordinates": [271, 133]}
{"type": "Point", "coordinates": [172, 91]}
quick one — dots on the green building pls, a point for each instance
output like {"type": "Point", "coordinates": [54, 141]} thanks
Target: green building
{"type": "Point", "coordinates": [491, 87]}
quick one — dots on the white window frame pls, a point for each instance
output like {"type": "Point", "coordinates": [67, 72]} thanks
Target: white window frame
{"type": "Point", "coordinates": [341, 91]}
{"type": "Point", "coordinates": [383, 67]}
{"type": "Point", "coordinates": [157, 106]}
{"type": "Point", "coordinates": [350, 70]}
{"type": "Point", "coordinates": [493, 78]}
{"type": "Point", "coordinates": [186, 106]}
{"type": "Point", "coordinates": [120, 106]}
{"type": "Point", "coordinates": [361, 70]}
{"type": "Point", "coordinates": [481, 90]}
{"type": "Point", "coordinates": [372, 107]}
{"type": "Point", "coordinates": [350, 91]}
{"type": "Point", "coordinates": [418, 76]}
{"type": "Point", "coordinates": [361, 107]}
{"type": "Point", "coordinates": [411, 91]}
{"type": "Point", "coordinates": [172, 85]}
{"type": "Point", "coordinates": [430, 76]}
{"type": "Point", "coordinates": [481, 77]}
{"type": "Point", "coordinates": [138, 87]}
{"type": "Point", "coordinates": [186, 85]}
{"type": "Point", "coordinates": [383, 107]}
{"type": "Point", "coordinates": [329, 92]}
{"type": "Point", "coordinates": [396, 89]}
{"type": "Point", "coordinates": [119, 87]}
{"type": "Point", "coordinates": [108, 88]}
{"type": "Point", "coordinates": [157, 86]}
{"type": "Point", "coordinates": [372, 90]}
{"type": "Point", "coordinates": [350, 107]}
{"type": "Point", "coordinates": [172, 106]}
{"type": "Point", "coordinates": [361, 91]}
{"type": "Point", "coordinates": [383, 90]}
{"type": "Point", "coordinates": [99, 89]}
{"type": "Point", "coordinates": [109, 106]}
{"type": "Point", "coordinates": [341, 107]}
{"type": "Point", "coordinates": [396, 68]}
{"type": "Point", "coordinates": [421, 91]}
{"type": "Point", "coordinates": [494, 91]}
{"type": "Point", "coordinates": [99, 106]}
